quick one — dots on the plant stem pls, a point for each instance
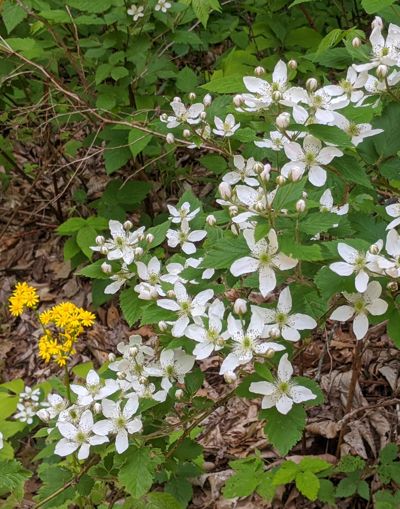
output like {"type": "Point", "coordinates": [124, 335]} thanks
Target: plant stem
{"type": "Point", "coordinates": [67, 383]}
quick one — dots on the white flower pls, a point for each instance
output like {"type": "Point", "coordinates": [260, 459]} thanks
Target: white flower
{"type": "Point", "coordinates": [95, 389]}
{"type": "Point", "coordinates": [349, 88]}
{"type": "Point", "coordinates": [184, 115]}
{"type": "Point", "coordinates": [320, 106]}
{"type": "Point", "coordinates": [288, 324]}
{"type": "Point", "coordinates": [209, 336]}
{"type": "Point", "coordinates": [118, 280]}
{"type": "Point", "coordinates": [357, 262]}
{"type": "Point", "coordinates": [148, 391]}
{"type": "Point", "coordinates": [385, 52]}
{"type": "Point", "coordinates": [186, 307]}
{"type": "Point", "coordinates": [357, 132]}
{"type": "Point", "coordinates": [246, 343]}
{"type": "Point", "coordinates": [265, 259]}
{"type": "Point", "coordinates": [54, 406]}
{"type": "Point", "coordinates": [29, 394]}
{"type": "Point", "coordinates": [26, 412]}
{"type": "Point", "coordinates": [71, 414]}
{"type": "Point", "coordinates": [226, 127]}
{"type": "Point", "coordinates": [150, 274]}
{"type": "Point", "coordinates": [361, 304]}
{"type": "Point", "coordinates": [326, 204]}
{"type": "Point", "coordinates": [311, 157]}
{"type": "Point", "coordinates": [136, 12]}
{"type": "Point", "coordinates": [393, 210]}
{"type": "Point", "coordinates": [173, 271]}
{"type": "Point", "coordinates": [119, 421]}
{"type": "Point", "coordinates": [282, 393]}
{"type": "Point", "coordinates": [377, 86]}
{"type": "Point", "coordinates": [393, 249]}
{"type": "Point", "coordinates": [244, 172]}
{"type": "Point", "coordinates": [78, 437]}
{"type": "Point", "coordinates": [134, 357]}
{"type": "Point", "coordinates": [173, 365]}
{"type": "Point", "coordinates": [178, 215]}
{"type": "Point", "coordinates": [276, 141]}
{"type": "Point", "coordinates": [162, 5]}
{"type": "Point", "coordinates": [185, 238]}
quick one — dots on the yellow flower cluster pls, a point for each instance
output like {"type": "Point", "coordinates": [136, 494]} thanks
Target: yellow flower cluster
{"type": "Point", "coordinates": [68, 322]}
{"type": "Point", "coordinates": [22, 296]}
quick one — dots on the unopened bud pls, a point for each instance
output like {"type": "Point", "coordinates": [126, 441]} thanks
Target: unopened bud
{"type": "Point", "coordinates": [171, 294]}
{"type": "Point", "coordinates": [111, 357]}
{"type": "Point", "coordinates": [106, 268]}
{"type": "Point", "coordinates": [164, 117]}
{"type": "Point", "coordinates": [259, 70]}
{"type": "Point", "coordinates": [203, 115]}
{"type": "Point", "coordinates": [377, 22]}
{"type": "Point", "coordinates": [284, 212]}
{"type": "Point", "coordinates": [133, 351]}
{"type": "Point", "coordinates": [192, 96]}
{"type": "Point", "coordinates": [265, 174]}
{"type": "Point", "coordinates": [43, 415]}
{"type": "Point", "coordinates": [233, 210]}
{"type": "Point", "coordinates": [121, 375]}
{"type": "Point", "coordinates": [301, 205]}
{"type": "Point", "coordinates": [104, 250]}
{"type": "Point", "coordinates": [269, 353]}
{"type": "Point", "coordinates": [177, 99]}
{"type": "Point", "coordinates": [259, 206]}
{"type": "Point", "coordinates": [170, 138]}
{"type": "Point", "coordinates": [280, 180]}
{"type": "Point", "coordinates": [283, 120]}
{"type": "Point", "coordinates": [311, 84]}
{"type": "Point", "coordinates": [381, 71]}
{"type": "Point", "coordinates": [138, 251]}
{"type": "Point", "coordinates": [374, 249]}
{"type": "Point", "coordinates": [211, 220]}
{"type": "Point", "coordinates": [142, 380]}
{"type": "Point", "coordinates": [276, 96]}
{"type": "Point", "coordinates": [141, 237]}
{"type": "Point", "coordinates": [128, 225]}
{"type": "Point", "coordinates": [179, 394]}
{"type": "Point", "coordinates": [292, 64]}
{"type": "Point", "coordinates": [225, 190]}
{"type": "Point", "coordinates": [238, 100]}
{"type": "Point", "coordinates": [295, 174]}
{"type": "Point", "coordinates": [207, 100]}
{"type": "Point", "coordinates": [275, 333]}
{"type": "Point", "coordinates": [392, 286]}
{"type": "Point", "coordinates": [149, 238]}
{"type": "Point", "coordinates": [163, 326]}
{"type": "Point", "coordinates": [186, 133]}
{"type": "Point", "coordinates": [220, 342]}
{"type": "Point", "coordinates": [234, 229]}
{"type": "Point", "coordinates": [230, 377]}
{"type": "Point", "coordinates": [304, 194]}
{"type": "Point", "coordinates": [240, 306]}
{"type": "Point", "coordinates": [356, 42]}
{"type": "Point", "coordinates": [97, 408]}
{"type": "Point", "coordinates": [100, 240]}
{"type": "Point", "coordinates": [258, 167]}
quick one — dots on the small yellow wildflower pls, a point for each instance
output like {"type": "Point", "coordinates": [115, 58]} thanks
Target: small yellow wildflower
{"type": "Point", "coordinates": [23, 295]}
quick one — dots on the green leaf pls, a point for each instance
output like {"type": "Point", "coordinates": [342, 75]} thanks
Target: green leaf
{"type": "Point", "coordinates": [389, 453]}
{"type": "Point", "coordinates": [159, 232]}
{"type": "Point", "coordinates": [159, 500]}
{"type": "Point", "coordinates": [186, 80]}
{"type": "Point", "coordinates": [214, 163]}
{"type": "Point", "coordinates": [284, 431]}
{"type": "Point", "coordinates": [326, 492]}
{"type": "Point", "coordinates": [313, 464]}
{"type": "Point", "coordinates": [310, 253]}
{"type": "Point", "coordinates": [93, 271]}
{"type": "Point", "coordinates": [119, 72]}
{"type": "Point", "coordinates": [12, 477]}
{"type": "Point", "coordinates": [85, 238]}
{"type": "Point", "coordinates": [226, 84]}
{"type": "Point", "coordinates": [318, 222]}
{"type": "Point", "coordinates": [372, 6]}
{"type": "Point", "coordinates": [286, 473]}
{"type": "Point", "coordinates": [137, 472]}
{"type": "Point", "coordinates": [308, 484]}
{"type": "Point", "coordinates": [248, 475]}
{"type": "Point", "coordinates": [89, 6]}
{"type": "Point", "coordinates": [288, 194]}
{"type": "Point", "coordinates": [351, 171]}
{"type": "Point", "coordinates": [297, 2]}
{"type": "Point", "coordinates": [71, 225]}
{"type": "Point", "coordinates": [152, 314]}
{"type": "Point", "coordinates": [224, 252]}
{"type": "Point", "coordinates": [130, 305]}
{"type": "Point", "coordinates": [12, 15]}
{"type": "Point", "coordinates": [82, 369]}
{"type": "Point", "coordinates": [346, 487]}
{"type": "Point", "coordinates": [138, 140]}
{"type": "Point", "coordinates": [103, 71]}
{"type": "Point", "coordinates": [116, 157]}
{"type": "Point", "coordinates": [201, 9]}
{"type": "Point", "coordinates": [330, 134]}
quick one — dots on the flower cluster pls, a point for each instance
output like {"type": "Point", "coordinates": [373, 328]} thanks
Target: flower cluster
{"type": "Point", "coordinates": [22, 296]}
{"type": "Point", "coordinates": [138, 11]}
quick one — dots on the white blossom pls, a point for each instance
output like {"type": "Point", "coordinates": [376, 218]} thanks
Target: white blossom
{"type": "Point", "coordinates": [185, 238]}
{"type": "Point", "coordinates": [326, 204]}
{"type": "Point", "coordinates": [393, 210]}
{"type": "Point", "coordinates": [118, 280]}
{"type": "Point", "coordinates": [136, 12]}
{"type": "Point", "coordinates": [264, 258]}
{"type": "Point", "coordinates": [360, 305]}
{"type": "Point", "coordinates": [276, 141]}
{"type": "Point", "coordinates": [244, 172]}
{"type": "Point", "coordinates": [357, 132]}
{"type": "Point", "coordinates": [282, 393]}
{"type": "Point", "coordinates": [150, 287]}
{"type": "Point", "coordinates": [162, 5]}
{"type": "Point", "coordinates": [384, 51]}
{"type": "Point", "coordinates": [226, 127]}
{"type": "Point", "coordinates": [349, 88]}
{"type": "Point", "coordinates": [181, 213]}
{"type": "Point", "coordinates": [184, 115]}
{"type": "Point", "coordinates": [95, 389]}
{"type": "Point", "coordinates": [173, 366]}
{"type": "Point", "coordinates": [52, 408]}
{"type": "Point", "coordinates": [393, 249]}
{"type": "Point", "coordinates": [78, 437]}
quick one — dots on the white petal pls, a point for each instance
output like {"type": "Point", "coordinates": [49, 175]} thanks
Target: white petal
{"type": "Point", "coordinates": [285, 369]}
{"type": "Point", "coordinates": [169, 304]}
{"type": "Point", "coordinates": [103, 427]}
{"type": "Point", "coordinates": [131, 406]}
{"type": "Point", "coordinates": [83, 452]}
{"type": "Point", "coordinates": [360, 326]}
{"type": "Point", "coordinates": [264, 388]}
{"type": "Point", "coordinates": [378, 307]}
{"type": "Point", "coordinates": [294, 151]}
{"type": "Point", "coordinates": [302, 322]}
{"type": "Point", "coordinates": [342, 268]}
{"type": "Point", "coordinates": [298, 393]}
{"type": "Point", "coordinates": [231, 362]}
{"type": "Point", "coordinates": [179, 327]}
{"type": "Point", "coordinates": [284, 404]}
{"type": "Point", "coordinates": [342, 313]}
{"type": "Point", "coordinates": [203, 350]}
{"type": "Point", "coordinates": [284, 262]}
{"type": "Point", "coordinates": [290, 334]}
{"type": "Point", "coordinates": [121, 441]}
{"type": "Point", "coordinates": [134, 426]}
{"type": "Point", "coordinates": [244, 266]}
{"type": "Point", "coordinates": [267, 280]}
{"type": "Point", "coordinates": [317, 176]}
{"type": "Point", "coordinates": [65, 447]}
{"type": "Point", "coordinates": [373, 291]}
{"type": "Point", "coordinates": [142, 271]}
{"type": "Point", "coordinates": [285, 301]}
{"type": "Point", "coordinates": [361, 281]}
{"type": "Point", "coordinates": [92, 378]}
{"type": "Point", "coordinates": [348, 253]}
{"type": "Point", "coordinates": [67, 430]}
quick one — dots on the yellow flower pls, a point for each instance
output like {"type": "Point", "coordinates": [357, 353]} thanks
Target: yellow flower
{"type": "Point", "coordinates": [23, 295]}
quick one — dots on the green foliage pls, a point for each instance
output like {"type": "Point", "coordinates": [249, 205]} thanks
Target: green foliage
{"type": "Point", "coordinates": [13, 477]}
{"type": "Point", "coordinates": [284, 431]}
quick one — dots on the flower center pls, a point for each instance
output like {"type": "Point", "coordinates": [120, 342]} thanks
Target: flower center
{"type": "Point", "coordinates": [309, 158]}
{"type": "Point", "coordinates": [360, 262]}
{"type": "Point", "coordinates": [283, 387]}
{"type": "Point", "coordinates": [281, 318]}
{"type": "Point", "coordinates": [346, 86]}
{"type": "Point", "coordinates": [185, 307]}
{"type": "Point", "coordinates": [120, 422]}
{"type": "Point", "coordinates": [359, 306]}
{"type": "Point", "coordinates": [80, 437]}
{"type": "Point", "coordinates": [247, 343]}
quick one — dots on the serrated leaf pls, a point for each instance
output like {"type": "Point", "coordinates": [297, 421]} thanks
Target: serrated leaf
{"type": "Point", "coordinates": [286, 473]}
{"type": "Point", "coordinates": [284, 431]}
{"type": "Point", "coordinates": [288, 194]}
{"type": "Point", "coordinates": [351, 171]}
{"type": "Point", "coordinates": [372, 6]}
{"type": "Point", "coordinates": [308, 484]}
{"type": "Point", "coordinates": [330, 134]}
{"type": "Point", "coordinates": [159, 232]}
{"type": "Point", "coordinates": [138, 140]}
{"type": "Point", "coordinates": [201, 9]}
{"type": "Point", "coordinates": [137, 472]}
{"type": "Point", "coordinates": [93, 271]}
{"type": "Point", "coordinates": [130, 305]}
{"type": "Point", "coordinates": [12, 477]}
{"type": "Point", "coordinates": [225, 252]}
{"type": "Point", "coordinates": [318, 222]}
{"type": "Point", "coordinates": [86, 238]}
{"type": "Point", "coordinates": [186, 80]}
{"type": "Point", "coordinates": [12, 15]}
{"type": "Point", "coordinates": [71, 225]}
{"type": "Point", "coordinates": [226, 84]}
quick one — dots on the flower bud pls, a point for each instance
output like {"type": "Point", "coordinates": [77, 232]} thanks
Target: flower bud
{"type": "Point", "coordinates": [304, 194]}
{"type": "Point", "coordinates": [163, 326]}
{"type": "Point", "coordinates": [259, 70]}
{"type": "Point", "coordinates": [295, 174]}
{"type": "Point", "coordinates": [234, 229]}
{"type": "Point", "coordinates": [356, 42]}
{"type": "Point", "coordinates": [230, 377]}
{"type": "Point", "coordinates": [276, 96]}
{"type": "Point", "coordinates": [240, 306]}
{"type": "Point", "coordinates": [258, 167]}
{"type": "Point", "coordinates": [211, 220]}
{"type": "Point", "coordinates": [177, 100]}
{"type": "Point", "coordinates": [179, 394]}
{"type": "Point", "coordinates": [259, 206]}
{"type": "Point", "coordinates": [106, 268]}
{"type": "Point", "coordinates": [381, 71]}
{"type": "Point", "coordinates": [141, 237]}
{"type": "Point", "coordinates": [300, 205]}
{"type": "Point", "coordinates": [284, 212]}
{"type": "Point", "coordinates": [149, 238]}
{"type": "Point", "coordinates": [238, 100]}
{"type": "Point", "coordinates": [374, 249]}
{"type": "Point", "coordinates": [233, 210]}
{"type": "Point", "coordinates": [171, 294]}
{"type": "Point", "coordinates": [138, 251]}
{"type": "Point", "coordinates": [97, 408]}
{"type": "Point", "coordinates": [203, 115]}
{"type": "Point", "coordinates": [100, 240]}
{"type": "Point", "coordinates": [292, 64]}
{"type": "Point", "coordinates": [280, 180]}
{"type": "Point", "coordinates": [275, 333]}
{"type": "Point", "coordinates": [121, 375]}
{"type": "Point", "coordinates": [392, 286]}
{"type": "Point", "coordinates": [283, 120]}
{"type": "Point", "coordinates": [133, 351]}
{"type": "Point", "coordinates": [225, 190]}
{"type": "Point", "coordinates": [164, 117]}
{"type": "Point", "coordinates": [207, 100]}
{"type": "Point", "coordinates": [311, 84]}
{"type": "Point", "coordinates": [142, 380]}
{"type": "Point", "coordinates": [269, 353]}
{"type": "Point", "coordinates": [170, 138]}
{"type": "Point", "coordinates": [220, 342]}
{"type": "Point", "coordinates": [111, 357]}
{"type": "Point", "coordinates": [104, 250]}
{"type": "Point", "coordinates": [265, 174]}
{"type": "Point", "coordinates": [128, 225]}
{"type": "Point", "coordinates": [192, 96]}
{"type": "Point", "coordinates": [43, 415]}
{"type": "Point", "coordinates": [186, 133]}
{"type": "Point", "coordinates": [377, 22]}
